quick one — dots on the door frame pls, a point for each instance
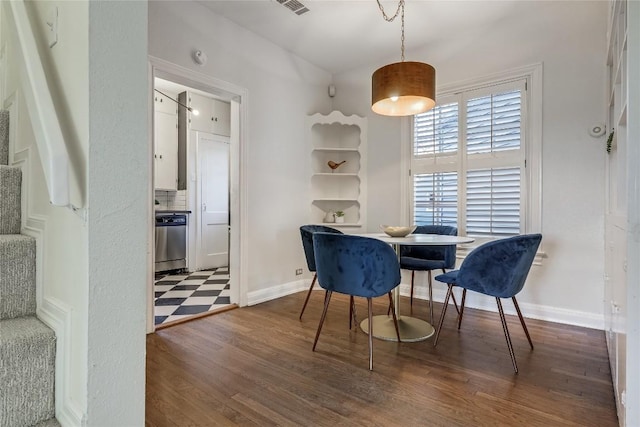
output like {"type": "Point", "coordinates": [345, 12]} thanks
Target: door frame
{"type": "Point", "coordinates": [238, 98]}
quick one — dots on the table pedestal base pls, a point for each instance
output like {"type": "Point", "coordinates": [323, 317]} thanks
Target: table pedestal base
{"type": "Point", "coordinates": [411, 329]}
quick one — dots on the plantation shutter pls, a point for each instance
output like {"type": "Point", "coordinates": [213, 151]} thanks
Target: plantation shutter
{"type": "Point", "coordinates": [493, 122]}
{"type": "Point", "coordinates": [468, 162]}
{"type": "Point", "coordinates": [436, 131]}
{"type": "Point", "coordinates": [493, 202]}
{"type": "Point", "coordinates": [436, 199]}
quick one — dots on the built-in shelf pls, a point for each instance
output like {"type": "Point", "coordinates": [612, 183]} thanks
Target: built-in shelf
{"type": "Point", "coordinates": [337, 139]}
{"type": "Point", "coordinates": [616, 198]}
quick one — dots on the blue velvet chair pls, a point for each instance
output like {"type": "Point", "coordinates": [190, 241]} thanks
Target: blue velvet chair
{"type": "Point", "coordinates": [498, 269]}
{"type": "Point", "coordinates": [428, 258]}
{"type": "Point", "coordinates": [355, 266]}
{"type": "Point", "coordinates": [306, 232]}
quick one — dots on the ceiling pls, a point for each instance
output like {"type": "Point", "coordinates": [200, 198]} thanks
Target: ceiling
{"type": "Point", "coordinates": [339, 36]}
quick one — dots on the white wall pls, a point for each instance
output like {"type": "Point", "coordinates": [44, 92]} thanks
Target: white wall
{"type": "Point", "coordinates": [118, 177]}
{"type": "Point", "coordinates": [282, 91]}
{"type": "Point", "coordinates": [569, 39]}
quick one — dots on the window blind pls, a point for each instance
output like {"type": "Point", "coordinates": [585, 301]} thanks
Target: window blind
{"type": "Point", "coordinates": [493, 202]}
{"type": "Point", "coordinates": [436, 199]}
{"type": "Point", "coordinates": [436, 131]}
{"type": "Point", "coordinates": [493, 122]}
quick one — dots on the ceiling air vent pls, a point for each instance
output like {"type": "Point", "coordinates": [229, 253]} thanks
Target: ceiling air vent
{"type": "Point", "coordinates": [295, 6]}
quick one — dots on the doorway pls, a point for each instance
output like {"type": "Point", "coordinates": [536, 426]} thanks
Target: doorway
{"type": "Point", "coordinates": [214, 259]}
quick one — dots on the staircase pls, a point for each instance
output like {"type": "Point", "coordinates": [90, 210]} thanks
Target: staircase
{"type": "Point", "coordinates": [27, 346]}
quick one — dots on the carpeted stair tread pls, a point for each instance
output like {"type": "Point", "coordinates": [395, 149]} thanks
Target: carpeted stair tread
{"type": "Point", "coordinates": [48, 423]}
{"type": "Point", "coordinates": [4, 137]}
{"type": "Point", "coordinates": [27, 356]}
{"type": "Point", "coordinates": [10, 188]}
{"type": "Point", "coordinates": [17, 275]}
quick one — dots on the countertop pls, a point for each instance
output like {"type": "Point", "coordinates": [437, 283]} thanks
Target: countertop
{"type": "Point", "coordinates": [170, 211]}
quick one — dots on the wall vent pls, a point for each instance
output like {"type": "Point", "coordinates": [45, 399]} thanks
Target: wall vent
{"type": "Point", "coordinates": [295, 6]}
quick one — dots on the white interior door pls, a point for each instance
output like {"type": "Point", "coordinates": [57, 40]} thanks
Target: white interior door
{"type": "Point", "coordinates": [213, 185]}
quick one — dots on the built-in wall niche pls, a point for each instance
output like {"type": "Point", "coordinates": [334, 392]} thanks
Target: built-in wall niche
{"type": "Point", "coordinates": [335, 186]}
{"type": "Point", "coordinates": [339, 141]}
{"type": "Point", "coordinates": [321, 159]}
{"type": "Point", "coordinates": [335, 136]}
{"type": "Point", "coordinates": [351, 209]}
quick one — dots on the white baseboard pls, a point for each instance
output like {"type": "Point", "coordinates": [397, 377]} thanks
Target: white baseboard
{"type": "Point", "coordinates": [274, 292]}
{"type": "Point", "coordinates": [57, 316]}
{"type": "Point", "coordinates": [473, 300]}
{"type": "Point", "coordinates": [530, 311]}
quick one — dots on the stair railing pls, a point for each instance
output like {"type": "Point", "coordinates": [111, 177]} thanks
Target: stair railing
{"type": "Point", "coordinates": [46, 126]}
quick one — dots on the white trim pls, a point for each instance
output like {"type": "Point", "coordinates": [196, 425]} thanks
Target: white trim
{"type": "Point", "coordinates": [44, 120]}
{"type": "Point", "coordinates": [238, 197]}
{"type": "Point", "coordinates": [530, 311]}
{"type": "Point", "coordinates": [406, 174]}
{"type": "Point", "coordinates": [277, 291]}
{"type": "Point", "coordinates": [52, 312]}
{"type": "Point", "coordinates": [533, 143]}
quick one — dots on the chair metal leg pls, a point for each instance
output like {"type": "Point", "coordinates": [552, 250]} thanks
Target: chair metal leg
{"type": "Point", "coordinates": [524, 326]}
{"type": "Point", "coordinates": [327, 298]}
{"type": "Point", "coordinates": [430, 298]}
{"type": "Point", "coordinates": [453, 296]}
{"type": "Point", "coordinates": [352, 312]}
{"type": "Point", "coordinates": [506, 335]}
{"type": "Point", "coordinates": [313, 282]}
{"type": "Point", "coordinates": [444, 311]}
{"type": "Point", "coordinates": [370, 309]}
{"type": "Point", "coordinates": [395, 319]}
{"type": "Point", "coordinates": [461, 312]}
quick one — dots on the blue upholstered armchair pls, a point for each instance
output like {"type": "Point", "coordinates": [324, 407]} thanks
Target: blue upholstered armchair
{"type": "Point", "coordinates": [428, 258]}
{"type": "Point", "coordinates": [355, 266]}
{"type": "Point", "coordinates": [306, 232]}
{"type": "Point", "coordinates": [498, 269]}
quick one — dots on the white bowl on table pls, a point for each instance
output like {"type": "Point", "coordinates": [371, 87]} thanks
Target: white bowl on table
{"type": "Point", "coordinates": [398, 231]}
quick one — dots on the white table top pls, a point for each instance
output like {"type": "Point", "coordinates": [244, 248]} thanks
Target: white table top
{"type": "Point", "coordinates": [419, 239]}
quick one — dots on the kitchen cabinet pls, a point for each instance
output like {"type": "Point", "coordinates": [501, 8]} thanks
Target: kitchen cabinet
{"type": "Point", "coordinates": [214, 115]}
{"type": "Point", "coordinates": [338, 139]}
{"type": "Point", "coordinates": [165, 144]}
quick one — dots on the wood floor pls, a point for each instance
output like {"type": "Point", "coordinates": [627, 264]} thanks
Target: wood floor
{"type": "Point", "coordinates": [254, 366]}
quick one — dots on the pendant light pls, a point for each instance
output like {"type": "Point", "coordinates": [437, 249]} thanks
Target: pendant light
{"type": "Point", "coordinates": [402, 88]}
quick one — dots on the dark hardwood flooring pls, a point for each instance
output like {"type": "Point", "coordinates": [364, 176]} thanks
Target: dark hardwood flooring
{"type": "Point", "coordinates": [254, 366]}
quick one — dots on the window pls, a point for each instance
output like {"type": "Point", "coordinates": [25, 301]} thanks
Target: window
{"type": "Point", "coordinates": [469, 162]}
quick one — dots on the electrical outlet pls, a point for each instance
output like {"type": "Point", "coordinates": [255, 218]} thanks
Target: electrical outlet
{"type": "Point", "coordinates": [298, 271]}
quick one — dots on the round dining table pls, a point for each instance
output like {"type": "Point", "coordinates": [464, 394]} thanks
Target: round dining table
{"type": "Point", "coordinates": [411, 329]}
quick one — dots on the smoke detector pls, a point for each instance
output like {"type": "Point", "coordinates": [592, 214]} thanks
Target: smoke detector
{"type": "Point", "coordinates": [295, 6]}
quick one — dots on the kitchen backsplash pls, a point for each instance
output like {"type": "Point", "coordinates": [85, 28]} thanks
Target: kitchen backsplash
{"type": "Point", "coordinates": [172, 200]}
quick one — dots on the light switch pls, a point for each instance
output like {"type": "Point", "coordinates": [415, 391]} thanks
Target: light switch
{"type": "Point", "coordinates": [52, 25]}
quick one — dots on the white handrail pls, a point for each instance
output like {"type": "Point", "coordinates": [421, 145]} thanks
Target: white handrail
{"type": "Point", "coordinates": [46, 127]}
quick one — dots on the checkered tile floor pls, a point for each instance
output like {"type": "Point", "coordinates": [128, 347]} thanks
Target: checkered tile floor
{"type": "Point", "coordinates": [178, 296]}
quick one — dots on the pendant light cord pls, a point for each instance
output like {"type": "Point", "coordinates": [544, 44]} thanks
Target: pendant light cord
{"type": "Point", "coordinates": [399, 11]}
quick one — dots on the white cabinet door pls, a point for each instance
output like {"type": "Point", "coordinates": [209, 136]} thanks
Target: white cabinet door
{"type": "Point", "coordinates": [214, 116]}
{"type": "Point", "coordinates": [221, 118]}
{"type": "Point", "coordinates": [166, 151]}
{"type": "Point", "coordinates": [164, 104]}
{"type": "Point", "coordinates": [202, 121]}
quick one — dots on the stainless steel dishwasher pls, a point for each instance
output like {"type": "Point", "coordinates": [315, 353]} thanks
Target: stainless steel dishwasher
{"type": "Point", "coordinates": [171, 242]}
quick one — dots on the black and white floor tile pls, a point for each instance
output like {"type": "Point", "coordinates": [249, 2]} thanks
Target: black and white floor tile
{"type": "Point", "coordinates": [179, 296]}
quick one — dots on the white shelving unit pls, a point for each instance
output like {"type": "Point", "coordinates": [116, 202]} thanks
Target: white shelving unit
{"type": "Point", "coordinates": [616, 203]}
{"type": "Point", "coordinates": [337, 138]}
